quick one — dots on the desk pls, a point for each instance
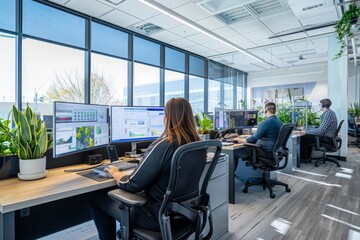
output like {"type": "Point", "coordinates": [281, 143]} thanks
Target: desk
{"type": "Point", "coordinates": [229, 150]}
{"type": "Point", "coordinates": [16, 194]}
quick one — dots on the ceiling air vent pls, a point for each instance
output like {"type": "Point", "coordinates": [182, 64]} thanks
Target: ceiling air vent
{"type": "Point", "coordinates": [148, 28]}
{"type": "Point", "coordinates": [112, 2]}
{"type": "Point", "coordinates": [313, 7]}
{"type": "Point", "coordinates": [234, 15]}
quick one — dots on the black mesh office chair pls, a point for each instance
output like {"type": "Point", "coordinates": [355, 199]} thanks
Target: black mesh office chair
{"type": "Point", "coordinates": [327, 145]}
{"type": "Point", "coordinates": [353, 131]}
{"type": "Point", "coordinates": [274, 163]}
{"type": "Point", "coordinates": [184, 210]}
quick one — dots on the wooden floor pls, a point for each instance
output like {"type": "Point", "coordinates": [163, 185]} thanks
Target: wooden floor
{"type": "Point", "coordinates": [324, 203]}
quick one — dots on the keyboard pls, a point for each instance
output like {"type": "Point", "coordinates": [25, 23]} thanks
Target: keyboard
{"type": "Point", "coordinates": [120, 165]}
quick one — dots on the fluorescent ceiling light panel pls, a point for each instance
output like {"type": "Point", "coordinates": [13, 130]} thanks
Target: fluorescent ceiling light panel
{"type": "Point", "coordinates": [197, 27]}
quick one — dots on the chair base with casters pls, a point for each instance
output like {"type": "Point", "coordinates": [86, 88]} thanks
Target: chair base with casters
{"type": "Point", "coordinates": [320, 156]}
{"type": "Point", "coordinates": [266, 182]}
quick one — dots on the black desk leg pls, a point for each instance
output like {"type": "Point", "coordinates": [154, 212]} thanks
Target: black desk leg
{"type": "Point", "coordinates": [7, 226]}
{"type": "Point", "coordinates": [230, 153]}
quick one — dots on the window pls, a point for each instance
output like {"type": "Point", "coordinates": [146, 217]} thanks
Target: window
{"type": "Point", "coordinates": [51, 73]}
{"type": "Point", "coordinates": [7, 14]}
{"type": "Point", "coordinates": [49, 23]}
{"type": "Point", "coordinates": [196, 66]}
{"type": "Point", "coordinates": [7, 74]}
{"type": "Point", "coordinates": [146, 87]}
{"type": "Point", "coordinates": [214, 95]}
{"type": "Point", "coordinates": [174, 60]}
{"type": "Point", "coordinates": [109, 78]}
{"type": "Point", "coordinates": [109, 40]}
{"type": "Point", "coordinates": [196, 93]}
{"type": "Point", "coordinates": [146, 51]}
{"type": "Point", "coordinates": [228, 95]}
{"type": "Point", "coordinates": [174, 84]}
{"type": "Point", "coordinates": [239, 95]}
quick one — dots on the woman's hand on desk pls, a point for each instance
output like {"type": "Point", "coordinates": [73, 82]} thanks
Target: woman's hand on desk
{"type": "Point", "coordinates": [115, 173]}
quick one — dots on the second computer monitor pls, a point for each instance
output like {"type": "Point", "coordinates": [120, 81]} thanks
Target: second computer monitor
{"type": "Point", "coordinates": [243, 118]}
{"type": "Point", "coordinates": [136, 123]}
{"type": "Point", "coordinates": [221, 119]}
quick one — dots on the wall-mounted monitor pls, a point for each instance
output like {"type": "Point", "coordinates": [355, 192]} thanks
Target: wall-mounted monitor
{"type": "Point", "coordinates": [136, 123]}
{"type": "Point", "coordinates": [79, 127]}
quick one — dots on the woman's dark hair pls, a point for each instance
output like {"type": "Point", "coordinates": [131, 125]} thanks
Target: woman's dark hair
{"type": "Point", "coordinates": [325, 103]}
{"type": "Point", "coordinates": [179, 121]}
{"type": "Point", "coordinates": [271, 107]}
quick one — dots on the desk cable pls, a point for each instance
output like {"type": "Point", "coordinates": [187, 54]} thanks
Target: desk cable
{"type": "Point", "coordinates": [83, 169]}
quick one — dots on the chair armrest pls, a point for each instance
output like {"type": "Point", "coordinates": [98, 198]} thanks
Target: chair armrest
{"type": "Point", "coordinates": [252, 145]}
{"type": "Point", "coordinates": [127, 198]}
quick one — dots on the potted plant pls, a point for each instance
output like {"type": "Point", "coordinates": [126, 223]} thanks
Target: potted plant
{"type": "Point", "coordinates": [31, 141]}
{"type": "Point", "coordinates": [354, 110]}
{"type": "Point", "coordinates": [9, 162]}
{"type": "Point", "coordinates": [343, 27]}
{"type": "Point", "coordinates": [205, 126]}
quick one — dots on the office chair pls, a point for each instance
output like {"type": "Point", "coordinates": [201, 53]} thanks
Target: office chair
{"type": "Point", "coordinates": [274, 163]}
{"type": "Point", "coordinates": [327, 145]}
{"type": "Point", "coordinates": [184, 210]}
{"type": "Point", "coordinates": [353, 131]}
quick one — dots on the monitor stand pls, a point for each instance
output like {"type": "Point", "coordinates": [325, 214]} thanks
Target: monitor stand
{"type": "Point", "coordinates": [134, 147]}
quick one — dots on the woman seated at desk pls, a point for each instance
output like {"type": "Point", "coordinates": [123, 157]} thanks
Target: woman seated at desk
{"type": "Point", "coordinates": [152, 174]}
{"type": "Point", "coordinates": [266, 135]}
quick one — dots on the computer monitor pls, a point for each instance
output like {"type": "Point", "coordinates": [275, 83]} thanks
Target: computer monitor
{"type": "Point", "coordinates": [221, 119]}
{"type": "Point", "coordinates": [243, 118]}
{"type": "Point", "coordinates": [130, 124]}
{"type": "Point", "coordinates": [48, 119]}
{"type": "Point", "coordinates": [79, 127]}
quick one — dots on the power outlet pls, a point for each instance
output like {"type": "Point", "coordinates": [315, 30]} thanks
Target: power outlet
{"type": "Point", "coordinates": [24, 212]}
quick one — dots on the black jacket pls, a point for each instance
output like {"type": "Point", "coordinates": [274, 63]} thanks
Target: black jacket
{"type": "Point", "coordinates": [152, 174]}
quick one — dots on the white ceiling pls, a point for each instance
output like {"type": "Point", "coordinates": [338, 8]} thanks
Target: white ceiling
{"type": "Point", "coordinates": [264, 19]}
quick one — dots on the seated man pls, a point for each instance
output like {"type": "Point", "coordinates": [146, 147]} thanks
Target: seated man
{"type": "Point", "coordinates": [327, 128]}
{"type": "Point", "coordinates": [266, 135]}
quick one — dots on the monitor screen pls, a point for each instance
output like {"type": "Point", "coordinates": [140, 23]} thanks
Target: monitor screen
{"type": "Point", "coordinates": [221, 119]}
{"type": "Point", "coordinates": [251, 118]}
{"type": "Point", "coordinates": [79, 127]}
{"type": "Point", "coordinates": [136, 123]}
{"type": "Point", "coordinates": [243, 118]}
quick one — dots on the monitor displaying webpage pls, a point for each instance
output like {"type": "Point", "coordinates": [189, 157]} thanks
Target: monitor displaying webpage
{"type": "Point", "coordinates": [79, 127]}
{"type": "Point", "coordinates": [136, 123]}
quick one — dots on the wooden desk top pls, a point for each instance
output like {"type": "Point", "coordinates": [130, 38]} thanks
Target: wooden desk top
{"type": "Point", "coordinates": [233, 147]}
{"type": "Point", "coordinates": [17, 194]}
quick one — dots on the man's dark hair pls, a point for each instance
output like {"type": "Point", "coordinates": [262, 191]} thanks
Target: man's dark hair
{"type": "Point", "coordinates": [271, 107]}
{"type": "Point", "coordinates": [325, 103]}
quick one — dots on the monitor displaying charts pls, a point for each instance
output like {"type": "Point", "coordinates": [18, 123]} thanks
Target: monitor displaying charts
{"type": "Point", "coordinates": [136, 123]}
{"type": "Point", "coordinates": [79, 127]}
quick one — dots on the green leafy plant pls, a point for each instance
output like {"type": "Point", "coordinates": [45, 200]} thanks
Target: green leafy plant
{"type": "Point", "coordinates": [343, 27]}
{"type": "Point", "coordinates": [6, 146]}
{"type": "Point", "coordinates": [313, 118]}
{"type": "Point", "coordinates": [30, 137]}
{"type": "Point", "coordinates": [354, 110]}
{"type": "Point", "coordinates": [283, 113]}
{"type": "Point", "coordinates": [205, 123]}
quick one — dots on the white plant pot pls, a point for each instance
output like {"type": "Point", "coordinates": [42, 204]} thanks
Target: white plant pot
{"type": "Point", "coordinates": [204, 137]}
{"type": "Point", "coordinates": [32, 168]}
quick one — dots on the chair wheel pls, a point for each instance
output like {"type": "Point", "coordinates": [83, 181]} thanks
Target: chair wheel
{"type": "Point", "coordinates": [338, 165]}
{"type": "Point", "coordinates": [316, 165]}
{"type": "Point", "coordinates": [288, 189]}
{"type": "Point", "coordinates": [245, 190]}
{"type": "Point", "coordinates": [272, 195]}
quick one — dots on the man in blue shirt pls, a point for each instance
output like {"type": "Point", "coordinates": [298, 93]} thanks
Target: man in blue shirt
{"type": "Point", "coordinates": [266, 135]}
{"type": "Point", "coordinates": [327, 128]}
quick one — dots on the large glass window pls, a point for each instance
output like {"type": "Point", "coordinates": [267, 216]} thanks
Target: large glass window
{"type": "Point", "coordinates": [109, 77]}
{"type": "Point", "coordinates": [7, 74]}
{"type": "Point", "coordinates": [51, 73]}
{"type": "Point", "coordinates": [228, 96]}
{"type": "Point", "coordinates": [174, 84]}
{"type": "Point", "coordinates": [239, 95]}
{"type": "Point", "coordinates": [196, 66]}
{"type": "Point", "coordinates": [146, 87]}
{"type": "Point", "coordinates": [109, 40]}
{"type": "Point", "coordinates": [49, 23]}
{"type": "Point", "coordinates": [7, 14]}
{"type": "Point", "coordinates": [174, 60]}
{"type": "Point", "coordinates": [146, 51]}
{"type": "Point", "coordinates": [196, 93]}
{"type": "Point", "coordinates": [214, 95]}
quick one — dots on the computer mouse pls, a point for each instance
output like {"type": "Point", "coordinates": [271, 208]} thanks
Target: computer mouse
{"type": "Point", "coordinates": [105, 175]}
